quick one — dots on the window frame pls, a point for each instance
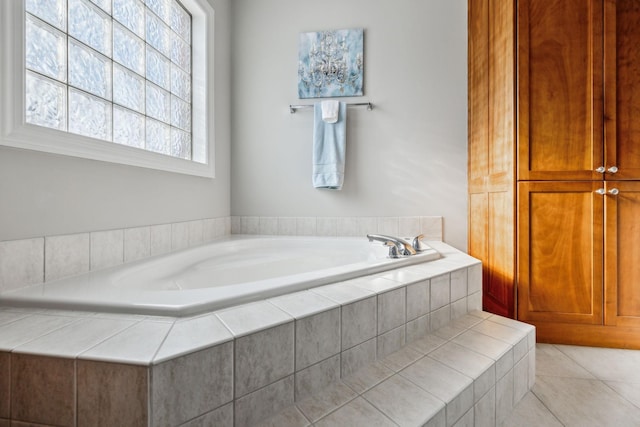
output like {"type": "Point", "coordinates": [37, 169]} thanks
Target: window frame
{"type": "Point", "coordinates": [15, 132]}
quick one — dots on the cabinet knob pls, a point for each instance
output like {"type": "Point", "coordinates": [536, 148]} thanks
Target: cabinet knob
{"type": "Point", "coordinates": [614, 191]}
{"type": "Point", "coordinates": [601, 191]}
{"type": "Point", "coordinates": [613, 169]}
{"type": "Point", "coordinates": [601, 169]}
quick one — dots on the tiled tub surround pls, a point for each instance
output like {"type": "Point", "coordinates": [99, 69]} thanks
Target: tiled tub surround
{"type": "Point", "coordinates": [240, 365]}
{"type": "Point", "coordinates": [44, 259]}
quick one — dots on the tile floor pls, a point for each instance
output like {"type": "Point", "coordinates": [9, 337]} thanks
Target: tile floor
{"type": "Point", "coordinates": [582, 387]}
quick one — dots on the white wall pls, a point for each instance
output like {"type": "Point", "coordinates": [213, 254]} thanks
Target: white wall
{"type": "Point", "coordinates": [406, 157]}
{"type": "Point", "coordinates": [43, 194]}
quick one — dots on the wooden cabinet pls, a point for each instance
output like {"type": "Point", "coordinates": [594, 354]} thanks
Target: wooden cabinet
{"type": "Point", "coordinates": [556, 219]}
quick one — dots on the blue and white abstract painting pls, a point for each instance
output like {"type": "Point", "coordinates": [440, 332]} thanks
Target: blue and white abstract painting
{"type": "Point", "coordinates": [330, 63]}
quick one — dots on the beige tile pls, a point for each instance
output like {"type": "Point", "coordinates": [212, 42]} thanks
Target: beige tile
{"type": "Point", "coordinates": [4, 423]}
{"type": "Point", "coordinates": [404, 402]}
{"type": "Point", "coordinates": [42, 390]}
{"type": "Point", "coordinates": [315, 378]}
{"type": "Point", "coordinates": [484, 411]}
{"type": "Point", "coordinates": [530, 412]}
{"type": "Point", "coordinates": [504, 397]}
{"type": "Point", "coordinates": [427, 344]}
{"type": "Point", "coordinates": [630, 391]}
{"type": "Point", "coordinates": [520, 380]}
{"type": "Point", "coordinates": [418, 299]}
{"type": "Point", "coordinates": [440, 317]}
{"type": "Point", "coordinates": [466, 420]}
{"type": "Point", "coordinates": [268, 226]}
{"type": "Point", "coordinates": [107, 248]}
{"type": "Point", "coordinates": [192, 385]}
{"type": "Point", "coordinates": [327, 227]}
{"type": "Point", "coordinates": [208, 230]}
{"type": "Point", "coordinates": [474, 279]}
{"type": "Point", "coordinates": [417, 329]}
{"type": "Point", "coordinates": [367, 377]}
{"type": "Point", "coordinates": [303, 304]}
{"type": "Point", "coordinates": [111, 394]}
{"type": "Point", "coordinates": [5, 384]}
{"type": "Point", "coordinates": [66, 255]}
{"type": "Point", "coordinates": [400, 359]}
{"type": "Point", "coordinates": [357, 413]}
{"type": "Point", "coordinates": [326, 401]}
{"type": "Point", "coordinates": [458, 284]}
{"type": "Point", "coordinates": [221, 417]}
{"type": "Point", "coordinates": [7, 316]}
{"type": "Point", "coordinates": [585, 402]}
{"type": "Point", "coordinates": [445, 383]}
{"type": "Point", "coordinates": [253, 317]}
{"type": "Point", "coordinates": [501, 332]}
{"type": "Point", "coordinates": [263, 357]}
{"type": "Point", "coordinates": [264, 403]}
{"type": "Point", "coordinates": [288, 417]}
{"type": "Point", "coordinates": [440, 292]}
{"type": "Point", "coordinates": [343, 292]}
{"type": "Point", "coordinates": [474, 365]}
{"type": "Point", "coordinates": [358, 357]}
{"type": "Point", "coordinates": [28, 328]}
{"type": "Point", "coordinates": [483, 344]}
{"type": "Point", "coordinates": [135, 345]}
{"type": "Point", "coordinates": [376, 284]}
{"type": "Point", "coordinates": [359, 322]}
{"type": "Point", "coordinates": [76, 338]}
{"type": "Point", "coordinates": [196, 232]}
{"type": "Point", "coordinates": [189, 335]}
{"type": "Point", "coordinates": [391, 341]}
{"type": "Point", "coordinates": [179, 236]}
{"type": "Point", "coordinates": [21, 263]}
{"type": "Point", "coordinates": [552, 362]}
{"type": "Point", "coordinates": [317, 338]}
{"type": "Point", "coordinates": [160, 237]}
{"type": "Point", "coordinates": [409, 226]}
{"type": "Point", "coordinates": [392, 310]}
{"type": "Point", "coordinates": [606, 363]}
{"type": "Point", "coordinates": [137, 243]}
{"type": "Point", "coordinates": [459, 308]}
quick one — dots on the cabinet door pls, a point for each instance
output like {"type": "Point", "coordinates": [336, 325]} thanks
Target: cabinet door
{"type": "Point", "coordinates": [622, 89]}
{"type": "Point", "coordinates": [560, 252]}
{"type": "Point", "coordinates": [622, 253]}
{"type": "Point", "coordinates": [560, 89]}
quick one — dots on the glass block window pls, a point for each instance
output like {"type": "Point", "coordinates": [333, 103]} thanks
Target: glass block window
{"type": "Point", "coordinates": [115, 70]}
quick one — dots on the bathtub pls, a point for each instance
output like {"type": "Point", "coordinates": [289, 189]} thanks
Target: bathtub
{"type": "Point", "coordinates": [227, 272]}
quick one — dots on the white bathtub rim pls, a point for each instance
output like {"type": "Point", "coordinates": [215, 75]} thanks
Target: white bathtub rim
{"type": "Point", "coordinates": [62, 294]}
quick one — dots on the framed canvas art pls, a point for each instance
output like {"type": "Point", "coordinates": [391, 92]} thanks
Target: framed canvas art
{"type": "Point", "coordinates": [331, 63]}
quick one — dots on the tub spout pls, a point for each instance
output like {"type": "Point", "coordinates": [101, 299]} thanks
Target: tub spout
{"type": "Point", "coordinates": [397, 246]}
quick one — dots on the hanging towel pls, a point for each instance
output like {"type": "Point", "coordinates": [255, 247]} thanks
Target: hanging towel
{"type": "Point", "coordinates": [330, 111]}
{"type": "Point", "coordinates": [329, 146]}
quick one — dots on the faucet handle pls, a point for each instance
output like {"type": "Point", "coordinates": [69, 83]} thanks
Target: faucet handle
{"type": "Point", "coordinates": [417, 243]}
{"type": "Point", "coordinates": [394, 252]}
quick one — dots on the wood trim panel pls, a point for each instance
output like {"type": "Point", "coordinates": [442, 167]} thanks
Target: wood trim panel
{"type": "Point", "coordinates": [591, 335]}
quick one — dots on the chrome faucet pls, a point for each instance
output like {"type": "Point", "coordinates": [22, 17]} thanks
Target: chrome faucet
{"type": "Point", "coordinates": [397, 247]}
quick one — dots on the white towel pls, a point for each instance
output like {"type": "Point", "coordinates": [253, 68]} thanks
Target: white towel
{"type": "Point", "coordinates": [329, 148]}
{"type": "Point", "coordinates": [330, 111]}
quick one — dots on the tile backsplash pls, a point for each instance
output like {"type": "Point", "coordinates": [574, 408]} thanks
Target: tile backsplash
{"type": "Point", "coordinates": [32, 261]}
